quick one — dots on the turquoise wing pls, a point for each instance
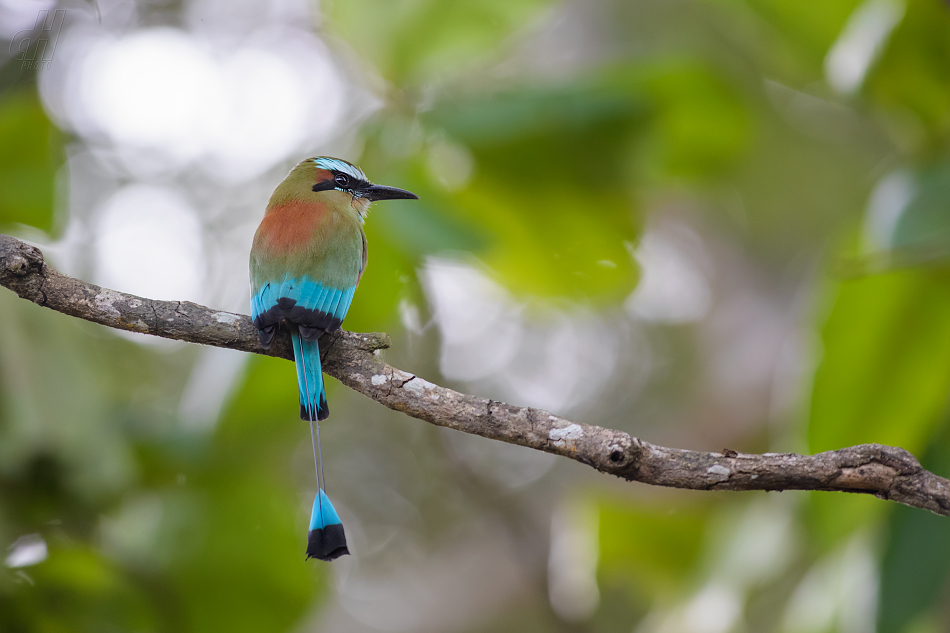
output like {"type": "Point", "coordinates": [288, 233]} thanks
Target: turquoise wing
{"type": "Point", "coordinates": [313, 306]}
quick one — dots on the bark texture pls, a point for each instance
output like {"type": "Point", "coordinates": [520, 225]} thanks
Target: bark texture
{"type": "Point", "coordinates": [885, 471]}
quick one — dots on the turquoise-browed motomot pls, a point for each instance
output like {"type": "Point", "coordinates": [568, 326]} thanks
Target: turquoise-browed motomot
{"type": "Point", "coordinates": [308, 256]}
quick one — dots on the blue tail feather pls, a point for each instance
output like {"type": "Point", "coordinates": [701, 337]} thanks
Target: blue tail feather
{"type": "Point", "coordinates": [313, 397]}
{"type": "Point", "coordinates": [326, 539]}
{"type": "Point", "coordinates": [323, 513]}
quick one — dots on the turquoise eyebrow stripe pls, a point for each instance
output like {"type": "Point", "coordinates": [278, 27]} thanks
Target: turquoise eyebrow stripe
{"type": "Point", "coordinates": [338, 165]}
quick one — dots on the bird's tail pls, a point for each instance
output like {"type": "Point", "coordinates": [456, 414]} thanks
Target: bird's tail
{"type": "Point", "coordinates": [325, 539]}
{"type": "Point", "coordinates": [313, 396]}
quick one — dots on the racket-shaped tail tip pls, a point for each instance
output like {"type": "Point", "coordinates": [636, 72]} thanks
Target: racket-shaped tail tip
{"type": "Point", "coordinates": [326, 539]}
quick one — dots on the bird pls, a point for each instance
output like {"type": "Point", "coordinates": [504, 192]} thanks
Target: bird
{"type": "Point", "coordinates": [307, 257]}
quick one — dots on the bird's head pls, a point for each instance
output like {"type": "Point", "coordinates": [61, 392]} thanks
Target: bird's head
{"type": "Point", "coordinates": [336, 182]}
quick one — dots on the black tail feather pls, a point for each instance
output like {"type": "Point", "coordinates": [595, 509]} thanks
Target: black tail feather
{"type": "Point", "coordinates": [328, 543]}
{"type": "Point", "coordinates": [322, 414]}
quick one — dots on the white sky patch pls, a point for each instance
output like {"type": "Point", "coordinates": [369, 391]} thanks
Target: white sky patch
{"type": "Point", "coordinates": [839, 593]}
{"type": "Point", "coordinates": [27, 550]}
{"type": "Point", "coordinates": [480, 328]}
{"type": "Point", "coordinates": [888, 200]}
{"type": "Point", "coordinates": [562, 362]}
{"type": "Point", "coordinates": [672, 288]}
{"type": "Point", "coordinates": [505, 465]}
{"type": "Point", "coordinates": [761, 544]}
{"type": "Point", "coordinates": [154, 88]}
{"type": "Point", "coordinates": [410, 316]}
{"type": "Point", "coordinates": [559, 360]}
{"type": "Point", "coordinates": [573, 559]}
{"type": "Point", "coordinates": [149, 243]}
{"type": "Point", "coordinates": [452, 164]}
{"type": "Point", "coordinates": [132, 533]}
{"type": "Point", "coordinates": [860, 43]}
{"type": "Point", "coordinates": [749, 550]}
{"type": "Point", "coordinates": [715, 609]}
{"type": "Point", "coordinates": [411, 588]}
{"type": "Point", "coordinates": [265, 110]}
{"type": "Point", "coordinates": [18, 15]}
{"type": "Point", "coordinates": [166, 99]}
{"type": "Point", "coordinates": [211, 382]}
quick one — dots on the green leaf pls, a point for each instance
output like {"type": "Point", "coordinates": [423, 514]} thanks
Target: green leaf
{"type": "Point", "coordinates": [410, 41]}
{"type": "Point", "coordinates": [551, 187]}
{"type": "Point", "coordinates": [910, 80]}
{"type": "Point", "coordinates": [30, 154]}
{"type": "Point", "coordinates": [916, 564]}
{"type": "Point", "coordinates": [885, 371]}
{"type": "Point", "coordinates": [884, 377]}
{"type": "Point", "coordinates": [926, 219]}
{"type": "Point", "coordinates": [810, 28]}
{"type": "Point", "coordinates": [653, 547]}
{"type": "Point", "coordinates": [700, 126]}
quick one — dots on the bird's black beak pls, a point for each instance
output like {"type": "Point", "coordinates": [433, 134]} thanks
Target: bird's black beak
{"type": "Point", "coordinates": [382, 192]}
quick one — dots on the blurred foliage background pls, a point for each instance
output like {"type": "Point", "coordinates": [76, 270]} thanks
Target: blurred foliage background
{"type": "Point", "coordinates": [710, 223]}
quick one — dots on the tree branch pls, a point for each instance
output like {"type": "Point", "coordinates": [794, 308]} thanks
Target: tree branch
{"type": "Point", "coordinates": [884, 471]}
